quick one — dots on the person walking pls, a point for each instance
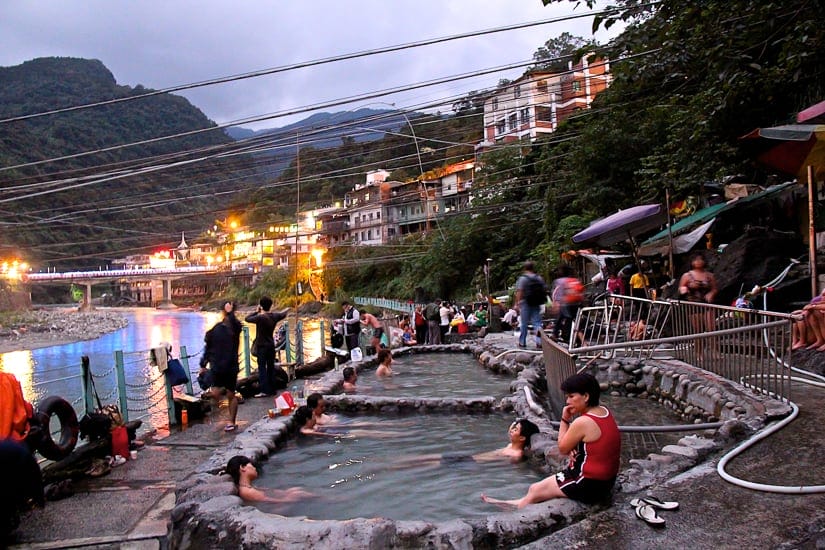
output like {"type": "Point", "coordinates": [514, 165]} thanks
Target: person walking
{"type": "Point", "coordinates": [270, 377]}
{"type": "Point", "coordinates": [568, 295]}
{"type": "Point", "coordinates": [351, 322]}
{"type": "Point", "coordinates": [531, 294]}
{"type": "Point", "coordinates": [221, 353]}
{"type": "Point", "coordinates": [376, 330]}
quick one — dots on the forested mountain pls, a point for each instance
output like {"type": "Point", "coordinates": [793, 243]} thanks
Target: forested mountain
{"type": "Point", "coordinates": [67, 211]}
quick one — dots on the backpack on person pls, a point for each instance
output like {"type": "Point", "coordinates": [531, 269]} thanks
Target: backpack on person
{"type": "Point", "coordinates": [535, 291]}
{"type": "Point", "coordinates": [573, 291]}
{"type": "Point", "coordinates": [431, 312]}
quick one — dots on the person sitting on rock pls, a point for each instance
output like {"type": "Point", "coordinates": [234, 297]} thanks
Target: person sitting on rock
{"type": "Point", "coordinates": [809, 332]}
{"type": "Point", "coordinates": [243, 472]}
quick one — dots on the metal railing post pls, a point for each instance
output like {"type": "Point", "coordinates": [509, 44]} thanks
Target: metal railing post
{"type": "Point", "coordinates": [323, 336]}
{"type": "Point", "coordinates": [184, 360]}
{"type": "Point", "coordinates": [170, 401]}
{"type": "Point", "coordinates": [299, 342]}
{"type": "Point", "coordinates": [287, 346]}
{"type": "Point", "coordinates": [246, 356]}
{"type": "Point", "coordinates": [86, 376]}
{"type": "Point", "coordinates": [121, 385]}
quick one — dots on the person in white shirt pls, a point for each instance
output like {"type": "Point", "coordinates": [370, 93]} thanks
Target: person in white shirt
{"type": "Point", "coordinates": [444, 312]}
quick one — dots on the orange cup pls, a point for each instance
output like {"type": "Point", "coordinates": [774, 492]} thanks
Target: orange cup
{"type": "Point", "coordinates": [271, 413]}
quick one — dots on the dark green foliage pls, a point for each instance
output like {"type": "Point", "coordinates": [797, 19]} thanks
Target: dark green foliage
{"type": "Point", "coordinates": [89, 224]}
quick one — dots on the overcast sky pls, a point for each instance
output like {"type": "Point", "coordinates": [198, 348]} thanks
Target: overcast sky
{"type": "Point", "coordinates": [165, 43]}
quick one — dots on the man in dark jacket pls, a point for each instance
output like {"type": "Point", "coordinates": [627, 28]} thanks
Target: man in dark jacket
{"type": "Point", "coordinates": [221, 353]}
{"type": "Point", "coordinates": [270, 377]}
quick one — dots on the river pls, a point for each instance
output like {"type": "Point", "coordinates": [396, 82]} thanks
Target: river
{"type": "Point", "coordinates": [55, 370]}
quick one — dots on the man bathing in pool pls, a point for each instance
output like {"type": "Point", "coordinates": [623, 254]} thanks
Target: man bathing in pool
{"type": "Point", "coordinates": [243, 472]}
{"type": "Point", "coordinates": [318, 406]}
{"type": "Point", "coordinates": [308, 423]}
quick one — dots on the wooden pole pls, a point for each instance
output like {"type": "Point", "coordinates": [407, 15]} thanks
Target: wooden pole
{"type": "Point", "coordinates": [812, 231]}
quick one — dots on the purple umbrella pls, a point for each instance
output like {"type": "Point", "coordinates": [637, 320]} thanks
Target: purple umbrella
{"type": "Point", "coordinates": [623, 225]}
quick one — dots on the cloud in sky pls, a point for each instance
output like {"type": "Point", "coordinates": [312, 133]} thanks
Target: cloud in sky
{"type": "Point", "coordinates": [160, 44]}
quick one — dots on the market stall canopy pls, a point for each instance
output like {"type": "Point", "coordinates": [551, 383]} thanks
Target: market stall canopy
{"type": "Point", "coordinates": [687, 231]}
{"type": "Point", "coordinates": [623, 225]}
{"type": "Point", "coordinates": [789, 149]}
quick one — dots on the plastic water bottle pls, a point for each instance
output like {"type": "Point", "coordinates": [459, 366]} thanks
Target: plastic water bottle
{"type": "Point", "coordinates": [184, 417]}
{"type": "Point", "coordinates": [336, 362]}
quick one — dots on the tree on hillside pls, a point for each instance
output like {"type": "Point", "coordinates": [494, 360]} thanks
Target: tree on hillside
{"type": "Point", "coordinates": [688, 80]}
{"type": "Point", "coordinates": [556, 52]}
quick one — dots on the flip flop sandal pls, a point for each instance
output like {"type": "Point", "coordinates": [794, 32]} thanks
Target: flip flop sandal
{"type": "Point", "coordinates": [655, 503]}
{"type": "Point", "coordinates": [647, 514]}
{"type": "Point", "coordinates": [230, 427]}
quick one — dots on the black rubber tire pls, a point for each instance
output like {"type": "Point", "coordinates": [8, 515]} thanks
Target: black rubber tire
{"type": "Point", "coordinates": [69, 428]}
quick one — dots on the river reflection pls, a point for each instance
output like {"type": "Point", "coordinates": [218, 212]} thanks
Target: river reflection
{"type": "Point", "coordinates": [56, 370]}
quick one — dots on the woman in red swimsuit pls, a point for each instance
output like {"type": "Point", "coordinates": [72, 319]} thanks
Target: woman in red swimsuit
{"type": "Point", "coordinates": [593, 442]}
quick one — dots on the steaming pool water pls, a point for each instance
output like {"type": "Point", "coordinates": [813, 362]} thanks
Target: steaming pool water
{"type": "Point", "coordinates": [377, 468]}
{"type": "Point", "coordinates": [441, 375]}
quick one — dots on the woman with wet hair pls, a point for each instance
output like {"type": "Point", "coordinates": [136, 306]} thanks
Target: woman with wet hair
{"type": "Point", "coordinates": [589, 435]}
{"type": "Point", "coordinates": [243, 472]}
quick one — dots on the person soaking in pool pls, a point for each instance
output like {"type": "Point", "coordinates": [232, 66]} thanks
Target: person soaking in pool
{"type": "Point", "coordinates": [384, 359]}
{"type": "Point", "coordinates": [350, 378]}
{"type": "Point", "coordinates": [593, 442]}
{"type": "Point", "coordinates": [520, 433]}
{"type": "Point", "coordinates": [243, 472]}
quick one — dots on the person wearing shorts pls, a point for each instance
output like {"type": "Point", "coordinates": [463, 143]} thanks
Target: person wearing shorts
{"type": "Point", "coordinates": [221, 353]}
{"type": "Point", "coordinates": [593, 442]}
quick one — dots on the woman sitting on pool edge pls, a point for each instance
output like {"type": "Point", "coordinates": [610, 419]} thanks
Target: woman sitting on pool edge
{"type": "Point", "coordinates": [243, 472]}
{"type": "Point", "coordinates": [593, 442]}
{"type": "Point", "coordinates": [384, 359]}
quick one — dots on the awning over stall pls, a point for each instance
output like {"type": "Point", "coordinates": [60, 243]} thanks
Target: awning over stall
{"type": "Point", "coordinates": [689, 230]}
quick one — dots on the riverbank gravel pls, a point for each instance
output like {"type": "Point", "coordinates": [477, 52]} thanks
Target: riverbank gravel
{"type": "Point", "coordinates": [42, 328]}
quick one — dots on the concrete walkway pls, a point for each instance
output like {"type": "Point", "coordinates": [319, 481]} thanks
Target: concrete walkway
{"type": "Point", "coordinates": [129, 508]}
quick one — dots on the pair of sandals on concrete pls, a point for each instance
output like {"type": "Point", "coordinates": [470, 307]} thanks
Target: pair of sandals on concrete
{"type": "Point", "coordinates": [645, 508]}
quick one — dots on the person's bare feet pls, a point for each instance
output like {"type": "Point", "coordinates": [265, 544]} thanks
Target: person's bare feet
{"type": "Point", "coordinates": [797, 346]}
{"type": "Point", "coordinates": [503, 504]}
{"type": "Point", "coordinates": [821, 348]}
{"type": "Point", "coordinates": [816, 345]}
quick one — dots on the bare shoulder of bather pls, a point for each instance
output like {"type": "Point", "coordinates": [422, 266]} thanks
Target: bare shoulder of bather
{"type": "Point", "coordinates": [507, 453]}
{"type": "Point", "coordinates": [253, 494]}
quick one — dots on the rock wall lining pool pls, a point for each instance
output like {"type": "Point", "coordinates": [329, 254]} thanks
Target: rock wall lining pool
{"type": "Point", "coordinates": [208, 513]}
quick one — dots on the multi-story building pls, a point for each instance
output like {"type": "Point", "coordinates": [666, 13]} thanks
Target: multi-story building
{"type": "Point", "coordinates": [537, 102]}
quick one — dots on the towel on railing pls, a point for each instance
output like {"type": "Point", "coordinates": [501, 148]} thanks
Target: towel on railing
{"type": "Point", "coordinates": [159, 356]}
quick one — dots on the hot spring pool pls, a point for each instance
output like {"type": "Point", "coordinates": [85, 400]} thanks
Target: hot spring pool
{"type": "Point", "coordinates": [435, 375]}
{"type": "Point", "coordinates": [366, 476]}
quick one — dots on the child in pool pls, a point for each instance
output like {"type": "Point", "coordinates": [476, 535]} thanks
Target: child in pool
{"type": "Point", "coordinates": [244, 472]}
{"type": "Point", "coordinates": [350, 377]}
{"type": "Point", "coordinates": [384, 358]}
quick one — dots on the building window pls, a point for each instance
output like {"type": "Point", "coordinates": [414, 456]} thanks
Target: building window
{"type": "Point", "coordinates": [517, 91]}
{"type": "Point", "coordinates": [541, 86]}
{"type": "Point", "coordinates": [577, 86]}
{"type": "Point", "coordinates": [525, 117]}
{"type": "Point", "coordinates": [378, 215]}
{"type": "Point", "coordinates": [495, 104]}
{"type": "Point", "coordinates": [500, 127]}
{"type": "Point", "coordinates": [367, 197]}
{"type": "Point", "coordinates": [512, 122]}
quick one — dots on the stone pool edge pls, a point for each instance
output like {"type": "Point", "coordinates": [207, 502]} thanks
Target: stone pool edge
{"type": "Point", "coordinates": [207, 509]}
